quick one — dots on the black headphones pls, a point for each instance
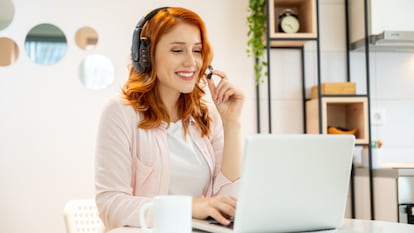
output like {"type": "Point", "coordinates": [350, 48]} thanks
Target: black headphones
{"type": "Point", "coordinates": [140, 49]}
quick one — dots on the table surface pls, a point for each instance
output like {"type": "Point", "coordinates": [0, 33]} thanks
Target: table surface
{"type": "Point", "coordinates": [349, 226]}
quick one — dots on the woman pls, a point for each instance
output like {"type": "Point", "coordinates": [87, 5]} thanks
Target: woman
{"type": "Point", "coordinates": [161, 136]}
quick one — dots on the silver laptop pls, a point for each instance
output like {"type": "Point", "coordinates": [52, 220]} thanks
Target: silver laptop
{"type": "Point", "coordinates": [291, 183]}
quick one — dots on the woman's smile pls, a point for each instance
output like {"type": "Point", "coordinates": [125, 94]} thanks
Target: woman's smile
{"type": "Point", "coordinates": [187, 76]}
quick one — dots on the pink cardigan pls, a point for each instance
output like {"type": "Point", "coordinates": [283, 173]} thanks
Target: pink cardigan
{"type": "Point", "coordinates": [132, 164]}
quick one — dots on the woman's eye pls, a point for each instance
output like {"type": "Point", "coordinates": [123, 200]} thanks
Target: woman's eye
{"type": "Point", "coordinates": [176, 50]}
{"type": "Point", "coordinates": [197, 50]}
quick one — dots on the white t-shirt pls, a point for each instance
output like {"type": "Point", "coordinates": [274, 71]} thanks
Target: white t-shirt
{"type": "Point", "coordinates": [190, 173]}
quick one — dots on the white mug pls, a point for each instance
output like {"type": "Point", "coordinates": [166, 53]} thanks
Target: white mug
{"type": "Point", "coordinates": [171, 214]}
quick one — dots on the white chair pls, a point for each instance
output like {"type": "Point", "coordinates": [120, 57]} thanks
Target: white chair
{"type": "Point", "coordinates": [81, 216]}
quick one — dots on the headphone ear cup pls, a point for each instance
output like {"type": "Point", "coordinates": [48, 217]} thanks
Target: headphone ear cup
{"type": "Point", "coordinates": [140, 49]}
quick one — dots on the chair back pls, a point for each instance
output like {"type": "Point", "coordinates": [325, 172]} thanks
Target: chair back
{"type": "Point", "coordinates": [81, 216]}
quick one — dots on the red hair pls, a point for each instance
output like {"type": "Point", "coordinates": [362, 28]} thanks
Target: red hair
{"type": "Point", "coordinates": [141, 91]}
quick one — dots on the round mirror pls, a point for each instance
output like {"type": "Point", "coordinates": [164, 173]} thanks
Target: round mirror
{"type": "Point", "coordinates": [9, 51]}
{"type": "Point", "coordinates": [6, 13]}
{"type": "Point", "coordinates": [96, 72]}
{"type": "Point", "coordinates": [45, 44]}
{"type": "Point", "coordinates": [86, 38]}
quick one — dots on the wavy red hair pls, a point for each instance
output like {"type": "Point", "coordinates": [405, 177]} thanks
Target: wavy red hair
{"type": "Point", "coordinates": [141, 91]}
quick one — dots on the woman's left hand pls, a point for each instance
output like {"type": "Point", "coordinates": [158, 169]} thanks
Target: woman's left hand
{"type": "Point", "coordinates": [221, 208]}
{"type": "Point", "coordinates": [228, 99]}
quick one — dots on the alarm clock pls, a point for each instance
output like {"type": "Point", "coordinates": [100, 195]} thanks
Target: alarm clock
{"type": "Point", "coordinates": [288, 21]}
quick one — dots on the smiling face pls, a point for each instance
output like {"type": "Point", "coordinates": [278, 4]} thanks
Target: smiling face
{"type": "Point", "coordinates": [178, 60]}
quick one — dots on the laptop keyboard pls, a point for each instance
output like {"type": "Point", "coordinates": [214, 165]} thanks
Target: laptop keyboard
{"type": "Point", "coordinates": [213, 221]}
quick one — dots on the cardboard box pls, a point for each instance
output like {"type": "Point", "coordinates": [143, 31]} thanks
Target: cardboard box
{"type": "Point", "coordinates": [334, 88]}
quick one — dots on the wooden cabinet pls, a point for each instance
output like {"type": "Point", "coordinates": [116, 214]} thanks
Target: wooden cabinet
{"type": "Point", "coordinates": [306, 11]}
{"type": "Point", "coordinates": [385, 198]}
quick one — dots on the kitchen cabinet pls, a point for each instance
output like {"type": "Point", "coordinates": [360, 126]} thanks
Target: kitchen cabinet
{"type": "Point", "coordinates": [393, 189]}
{"type": "Point", "coordinates": [383, 15]}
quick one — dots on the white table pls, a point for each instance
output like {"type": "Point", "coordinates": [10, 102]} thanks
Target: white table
{"type": "Point", "coordinates": [349, 226]}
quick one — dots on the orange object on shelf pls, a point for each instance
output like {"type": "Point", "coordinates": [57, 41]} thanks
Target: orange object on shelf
{"type": "Point", "coordinates": [339, 130]}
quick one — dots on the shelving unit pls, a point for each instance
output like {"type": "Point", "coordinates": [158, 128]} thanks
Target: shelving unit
{"type": "Point", "coordinates": [306, 11]}
{"type": "Point", "coordinates": [349, 112]}
{"type": "Point", "coordinates": [346, 111]}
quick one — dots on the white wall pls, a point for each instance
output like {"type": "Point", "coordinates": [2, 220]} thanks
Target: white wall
{"type": "Point", "coordinates": [393, 96]}
{"type": "Point", "coordinates": [48, 119]}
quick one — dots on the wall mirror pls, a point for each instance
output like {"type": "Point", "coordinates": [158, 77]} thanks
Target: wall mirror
{"type": "Point", "coordinates": [45, 44]}
{"type": "Point", "coordinates": [9, 51]}
{"type": "Point", "coordinates": [86, 38]}
{"type": "Point", "coordinates": [6, 13]}
{"type": "Point", "coordinates": [96, 72]}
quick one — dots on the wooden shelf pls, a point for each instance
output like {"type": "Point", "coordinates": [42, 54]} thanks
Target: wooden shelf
{"type": "Point", "coordinates": [306, 11]}
{"type": "Point", "coordinates": [345, 112]}
{"type": "Point", "coordinates": [287, 43]}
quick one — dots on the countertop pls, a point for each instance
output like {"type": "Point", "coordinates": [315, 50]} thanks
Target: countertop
{"type": "Point", "coordinates": [392, 172]}
{"type": "Point", "coordinates": [349, 226]}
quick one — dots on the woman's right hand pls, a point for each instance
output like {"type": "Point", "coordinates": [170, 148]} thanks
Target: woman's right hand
{"type": "Point", "coordinates": [228, 99]}
{"type": "Point", "coordinates": [222, 208]}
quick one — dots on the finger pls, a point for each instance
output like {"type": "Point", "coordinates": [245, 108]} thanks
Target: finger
{"type": "Point", "coordinates": [227, 198]}
{"type": "Point", "coordinates": [219, 73]}
{"type": "Point", "coordinates": [212, 87]}
{"type": "Point", "coordinates": [223, 213]}
{"type": "Point", "coordinates": [221, 90]}
{"type": "Point", "coordinates": [233, 200]}
{"type": "Point", "coordinates": [219, 217]}
{"type": "Point", "coordinates": [226, 205]}
{"type": "Point", "coordinates": [229, 93]}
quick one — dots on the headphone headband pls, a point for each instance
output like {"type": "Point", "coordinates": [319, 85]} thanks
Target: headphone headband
{"type": "Point", "coordinates": [140, 49]}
